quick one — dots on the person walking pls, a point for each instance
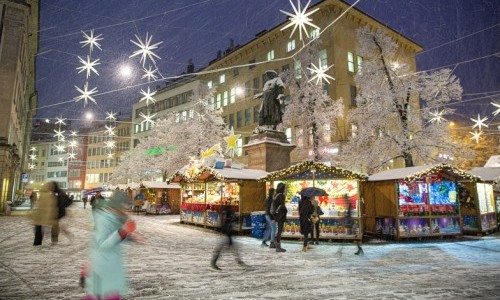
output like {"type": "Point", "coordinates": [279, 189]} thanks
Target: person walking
{"type": "Point", "coordinates": [45, 211]}
{"type": "Point", "coordinates": [104, 277]}
{"type": "Point", "coordinates": [270, 232]}
{"type": "Point", "coordinates": [63, 201]}
{"type": "Point", "coordinates": [315, 218]}
{"type": "Point", "coordinates": [33, 198]}
{"type": "Point", "coordinates": [279, 211]}
{"type": "Point", "coordinates": [85, 202]}
{"type": "Point", "coordinates": [306, 210]}
{"type": "Point", "coordinates": [227, 215]}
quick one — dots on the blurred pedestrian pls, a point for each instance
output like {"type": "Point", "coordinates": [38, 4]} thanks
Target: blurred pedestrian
{"type": "Point", "coordinates": [279, 211]}
{"type": "Point", "coordinates": [137, 204]}
{"type": "Point", "coordinates": [94, 201]}
{"type": "Point", "coordinates": [63, 201]}
{"type": "Point", "coordinates": [85, 202]}
{"type": "Point", "coordinates": [316, 221]}
{"type": "Point", "coordinates": [45, 211]}
{"type": "Point", "coordinates": [105, 275]}
{"type": "Point", "coordinates": [227, 216]}
{"type": "Point", "coordinates": [33, 198]}
{"type": "Point", "coordinates": [306, 210]}
{"type": "Point", "coordinates": [270, 232]}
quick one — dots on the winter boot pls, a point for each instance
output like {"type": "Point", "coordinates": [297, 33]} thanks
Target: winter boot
{"type": "Point", "coordinates": [304, 249]}
{"type": "Point", "coordinates": [278, 248]}
{"type": "Point", "coordinates": [272, 245]}
{"type": "Point", "coordinates": [360, 251]}
{"type": "Point", "coordinates": [264, 244]}
{"type": "Point", "coordinates": [214, 266]}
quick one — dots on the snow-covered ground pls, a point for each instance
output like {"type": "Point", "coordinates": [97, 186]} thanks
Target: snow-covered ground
{"type": "Point", "coordinates": [173, 263]}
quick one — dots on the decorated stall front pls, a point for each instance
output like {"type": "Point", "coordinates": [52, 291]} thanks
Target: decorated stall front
{"type": "Point", "coordinates": [477, 202]}
{"type": "Point", "coordinates": [160, 197]}
{"type": "Point", "coordinates": [414, 202]}
{"type": "Point", "coordinates": [206, 190]}
{"type": "Point", "coordinates": [342, 187]}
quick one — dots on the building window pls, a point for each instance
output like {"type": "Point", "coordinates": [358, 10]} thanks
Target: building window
{"type": "Point", "coordinates": [43, 153]}
{"type": "Point", "coordinates": [184, 115]}
{"type": "Point", "coordinates": [232, 95]}
{"type": "Point", "coordinates": [236, 72]}
{"type": "Point", "coordinates": [298, 69]}
{"type": "Point", "coordinates": [256, 86]}
{"type": "Point", "coordinates": [360, 61]}
{"type": "Point", "coordinates": [270, 55]}
{"type": "Point", "coordinates": [290, 46]}
{"type": "Point", "coordinates": [350, 62]}
{"type": "Point", "coordinates": [354, 93]}
{"type": "Point", "coordinates": [231, 121]}
{"type": "Point", "coordinates": [323, 59]}
{"type": "Point", "coordinates": [314, 33]}
{"type": "Point", "coordinates": [354, 130]}
{"type": "Point", "coordinates": [191, 115]}
{"type": "Point", "coordinates": [177, 117]}
{"type": "Point", "coordinates": [224, 99]}
{"type": "Point", "coordinates": [288, 133]}
{"type": "Point", "coordinates": [222, 78]}
{"type": "Point", "coordinates": [239, 146]}
{"type": "Point", "coordinates": [239, 119]}
{"type": "Point", "coordinates": [212, 102]}
{"type": "Point", "coordinates": [225, 120]}
{"type": "Point", "coordinates": [219, 97]}
{"type": "Point", "coordinates": [248, 116]}
{"type": "Point", "coordinates": [251, 64]}
{"type": "Point", "coordinates": [248, 89]}
{"type": "Point", "coordinates": [256, 110]}
{"type": "Point", "coordinates": [285, 68]}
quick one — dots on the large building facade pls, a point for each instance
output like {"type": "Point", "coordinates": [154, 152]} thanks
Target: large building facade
{"type": "Point", "coordinates": [18, 99]}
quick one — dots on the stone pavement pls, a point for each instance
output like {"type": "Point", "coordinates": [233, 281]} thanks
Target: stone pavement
{"type": "Point", "coordinates": [173, 263]}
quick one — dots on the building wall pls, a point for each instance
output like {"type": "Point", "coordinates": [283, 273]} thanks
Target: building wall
{"type": "Point", "coordinates": [57, 166]}
{"type": "Point", "coordinates": [18, 45]}
{"type": "Point", "coordinates": [38, 175]}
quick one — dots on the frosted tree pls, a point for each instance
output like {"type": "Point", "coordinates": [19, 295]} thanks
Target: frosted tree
{"type": "Point", "coordinates": [310, 106]}
{"type": "Point", "coordinates": [388, 122]}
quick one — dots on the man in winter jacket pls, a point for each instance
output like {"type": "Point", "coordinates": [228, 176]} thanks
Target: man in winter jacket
{"type": "Point", "coordinates": [306, 210]}
{"type": "Point", "coordinates": [280, 212]}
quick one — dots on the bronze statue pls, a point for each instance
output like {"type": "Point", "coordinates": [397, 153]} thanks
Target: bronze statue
{"type": "Point", "coordinates": [270, 114]}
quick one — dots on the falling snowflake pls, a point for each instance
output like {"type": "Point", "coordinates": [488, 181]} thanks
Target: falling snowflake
{"type": "Point", "coordinates": [111, 116]}
{"type": "Point", "coordinates": [91, 41]}
{"type": "Point", "coordinates": [149, 74]}
{"type": "Point", "coordinates": [496, 112]}
{"type": "Point", "coordinates": [300, 19]}
{"type": "Point", "coordinates": [320, 73]}
{"type": "Point", "coordinates": [147, 118]}
{"type": "Point", "coordinates": [476, 135]}
{"type": "Point", "coordinates": [148, 96]}
{"type": "Point", "coordinates": [479, 122]}
{"type": "Point", "coordinates": [437, 117]}
{"type": "Point", "coordinates": [145, 49]}
{"type": "Point", "coordinates": [88, 65]}
{"type": "Point", "coordinates": [85, 94]}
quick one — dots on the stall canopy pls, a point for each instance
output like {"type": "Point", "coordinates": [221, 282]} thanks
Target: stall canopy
{"type": "Point", "coordinates": [487, 174]}
{"type": "Point", "coordinates": [159, 185]}
{"type": "Point", "coordinates": [312, 170]}
{"type": "Point", "coordinates": [413, 173]}
{"type": "Point", "coordinates": [92, 191]}
{"type": "Point", "coordinates": [206, 173]}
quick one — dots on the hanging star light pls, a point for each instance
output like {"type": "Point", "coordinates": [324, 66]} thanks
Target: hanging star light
{"type": "Point", "coordinates": [60, 121]}
{"type": "Point", "coordinates": [88, 66]}
{"type": "Point", "coordinates": [91, 41]}
{"type": "Point", "coordinates": [110, 130]}
{"type": "Point", "coordinates": [145, 49]}
{"type": "Point", "coordinates": [479, 122]}
{"type": "Point", "coordinates": [232, 142]}
{"type": "Point", "coordinates": [320, 73]}
{"type": "Point", "coordinates": [300, 19]}
{"type": "Point", "coordinates": [72, 144]}
{"type": "Point", "coordinates": [32, 156]}
{"type": "Point", "coordinates": [31, 166]}
{"type": "Point", "coordinates": [71, 155]}
{"type": "Point", "coordinates": [148, 96]}
{"type": "Point", "coordinates": [74, 133]}
{"type": "Point", "coordinates": [147, 118]}
{"type": "Point", "coordinates": [110, 144]}
{"type": "Point", "coordinates": [33, 149]}
{"type": "Point", "coordinates": [437, 117]}
{"type": "Point", "coordinates": [476, 135]}
{"type": "Point", "coordinates": [496, 112]}
{"type": "Point", "coordinates": [86, 94]}
{"type": "Point", "coordinates": [111, 116]}
{"type": "Point", "coordinates": [59, 134]}
{"type": "Point", "coordinates": [60, 148]}
{"type": "Point", "coordinates": [149, 74]}
{"type": "Point", "coordinates": [110, 155]}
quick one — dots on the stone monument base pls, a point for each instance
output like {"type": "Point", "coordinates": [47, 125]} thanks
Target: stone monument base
{"type": "Point", "coordinates": [268, 151]}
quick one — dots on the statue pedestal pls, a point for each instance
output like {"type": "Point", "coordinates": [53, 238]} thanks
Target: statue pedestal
{"type": "Point", "coordinates": [268, 151]}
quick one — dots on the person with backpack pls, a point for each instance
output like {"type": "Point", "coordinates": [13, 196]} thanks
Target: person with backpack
{"type": "Point", "coordinates": [279, 211]}
{"type": "Point", "coordinates": [270, 233]}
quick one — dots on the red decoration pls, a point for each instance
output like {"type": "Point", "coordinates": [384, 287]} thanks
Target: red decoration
{"type": "Point", "coordinates": [323, 200]}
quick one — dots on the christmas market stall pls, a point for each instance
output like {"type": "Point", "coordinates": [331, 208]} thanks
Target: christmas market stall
{"type": "Point", "coordinates": [160, 197]}
{"type": "Point", "coordinates": [479, 201]}
{"type": "Point", "coordinates": [414, 202]}
{"type": "Point", "coordinates": [206, 190]}
{"type": "Point", "coordinates": [342, 187]}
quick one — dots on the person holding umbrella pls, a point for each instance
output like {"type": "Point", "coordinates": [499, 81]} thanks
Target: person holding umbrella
{"type": "Point", "coordinates": [316, 220]}
{"type": "Point", "coordinates": [306, 210]}
{"type": "Point", "coordinates": [279, 211]}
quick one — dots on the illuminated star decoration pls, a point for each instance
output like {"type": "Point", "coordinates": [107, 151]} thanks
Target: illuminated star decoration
{"type": "Point", "coordinates": [148, 96]}
{"type": "Point", "coordinates": [88, 66]}
{"type": "Point", "coordinates": [475, 135]}
{"type": "Point", "coordinates": [145, 49]}
{"type": "Point", "coordinates": [300, 18]}
{"type": "Point", "coordinates": [110, 144]}
{"type": "Point", "coordinates": [110, 130]}
{"type": "Point", "coordinates": [31, 167]}
{"type": "Point", "coordinates": [59, 134]}
{"type": "Point", "coordinates": [209, 152]}
{"type": "Point", "coordinates": [71, 156]}
{"type": "Point", "coordinates": [320, 73]}
{"type": "Point", "coordinates": [32, 156]}
{"type": "Point", "coordinates": [111, 116]}
{"type": "Point", "coordinates": [110, 155]}
{"type": "Point", "coordinates": [147, 118]}
{"type": "Point", "coordinates": [479, 122]}
{"type": "Point", "coordinates": [60, 148]}
{"type": "Point", "coordinates": [33, 149]}
{"type": "Point", "coordinates": [74, 133]}
{"type": "Point", "coordinates": [232, 142]}
{"type": "Point", "coordinates": [86, 94]}
{"type": "Point", "coordinates": [149, 74]}
{"type": "Point", "coordinates": [496, 112]}
{"type": "Point", "coordinates": [91, 41]}
{"type": "Point", "coordinates": [60, 121]}
{"type": "Point", "coordinates": [72, 144]}
{"type": "Point", "coordinates": [437, 117]}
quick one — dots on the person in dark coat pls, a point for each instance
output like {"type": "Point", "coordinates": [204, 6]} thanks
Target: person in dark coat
{"type": "Point", "coordinates": [306, 210]}
{"type": "Point", "coordinates": [316, 221]}
{"type": "Point", "coordinates": [270, 233]}
{"type": "Point", "coordinates": [279, 210]}
{"type": "Point", "coordinates": [63, 201]}
{"type": "Point", "coordinates": [226, 225]}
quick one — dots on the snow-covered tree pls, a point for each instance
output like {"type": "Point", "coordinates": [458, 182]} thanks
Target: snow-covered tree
{"type": "Point", "coordinates": [310, 106]}
{"type": "Point", "coordinates": [388, 120]}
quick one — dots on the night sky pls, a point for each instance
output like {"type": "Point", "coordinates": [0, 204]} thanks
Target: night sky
{"type": "Point", "coordinates": [460, 34]}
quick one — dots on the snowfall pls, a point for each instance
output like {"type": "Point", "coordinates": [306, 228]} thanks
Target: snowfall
{"type": "Point", "coordinates": [173, 262]}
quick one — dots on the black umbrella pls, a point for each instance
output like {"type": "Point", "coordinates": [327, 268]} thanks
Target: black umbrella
{"type": "Point", "coordinates": [313, 191]}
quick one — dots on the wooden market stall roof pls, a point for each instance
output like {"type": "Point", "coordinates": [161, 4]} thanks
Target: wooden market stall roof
{"type": "Point", "coordinates": [413, 173]}
{"type": "Point", "coordinates": [205, 173]}
{"type": "Point", "coordinates": [487, 174]}
{"type": "Point", "coordinates": [304, 169]}
{"type": "Point", "coordinates": [159, 185]}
